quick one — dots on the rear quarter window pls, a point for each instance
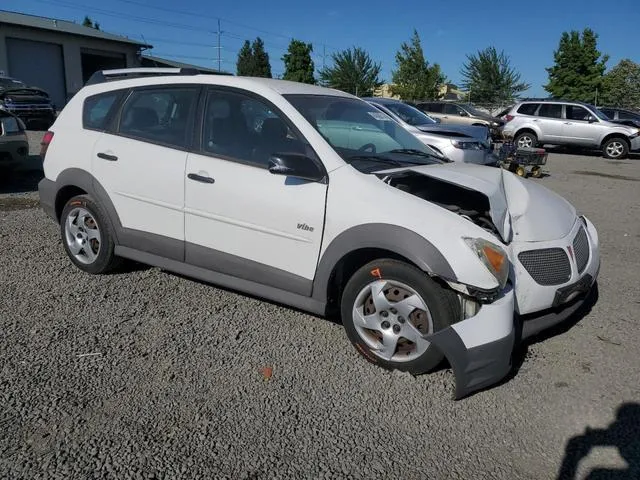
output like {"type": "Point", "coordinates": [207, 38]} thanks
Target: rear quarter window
{"type": "Point", "coordinates": [528, 108]}
{"type": "Point", "coordinates": [96, 110]}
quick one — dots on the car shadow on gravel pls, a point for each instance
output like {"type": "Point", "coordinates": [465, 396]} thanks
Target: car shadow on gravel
{"type": "Point", "coordinates": [621, 434]}
{"type": "Point", "coordinates": [521, 350]}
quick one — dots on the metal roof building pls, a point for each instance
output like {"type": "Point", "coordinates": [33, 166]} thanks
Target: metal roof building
{"type": "Point", "coordinates": [58, 55]}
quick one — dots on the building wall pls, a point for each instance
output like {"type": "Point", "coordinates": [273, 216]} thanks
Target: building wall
{"type": "Point", "coordinates": [71, 48]}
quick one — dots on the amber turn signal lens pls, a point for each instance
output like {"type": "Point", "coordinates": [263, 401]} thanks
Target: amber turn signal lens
{"type": "Point", "coordinates": [494, 257]}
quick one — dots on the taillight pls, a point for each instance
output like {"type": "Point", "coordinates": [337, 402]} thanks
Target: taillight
{"type": "Point", "coordinates": [508, 118]}
{"type": "Point", "coordinates": [44, 145]}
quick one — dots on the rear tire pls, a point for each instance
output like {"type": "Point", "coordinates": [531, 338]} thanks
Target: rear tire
{"type": "Point", "coordinates": [87, 237]}
{"type": "Point", "coordinates": [615, 148]}
{"type": "Point", "coordinates": [526, 140]}
{"type": "Point", "coordinates": [388, 307]}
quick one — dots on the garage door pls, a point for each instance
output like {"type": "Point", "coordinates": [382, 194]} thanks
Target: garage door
{"type": "Point", "coordinates": [38, 64]}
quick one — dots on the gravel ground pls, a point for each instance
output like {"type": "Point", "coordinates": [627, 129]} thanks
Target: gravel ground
{"type": "Point", "coordinates": [146, 374]}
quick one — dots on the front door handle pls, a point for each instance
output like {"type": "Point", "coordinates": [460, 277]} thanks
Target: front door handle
{"type": "Point", "coordinates": [200, 178]}
{"type": "Point", "coordinates": [106, 156]}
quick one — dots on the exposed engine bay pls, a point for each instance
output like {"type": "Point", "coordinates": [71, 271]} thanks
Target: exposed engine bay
{"type": "Point", "coordinates": [469, 204]}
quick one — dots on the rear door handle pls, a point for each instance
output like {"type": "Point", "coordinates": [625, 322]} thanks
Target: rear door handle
{"type": "Point", "coordinates": [200, 178]}
{"type": "Point", "coordinates": [106, 156]}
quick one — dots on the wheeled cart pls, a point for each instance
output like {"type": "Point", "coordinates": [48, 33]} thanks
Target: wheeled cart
{"type": "Point", "coordinates": [522, 161]}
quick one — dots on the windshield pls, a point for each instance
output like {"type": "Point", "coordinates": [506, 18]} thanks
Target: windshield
{"type": "Point", "coordinates": [409, 114]}
{"type": "Point", "coordinates": [6, 83]}
{"type": "Point", "coordinates": [360, 133]}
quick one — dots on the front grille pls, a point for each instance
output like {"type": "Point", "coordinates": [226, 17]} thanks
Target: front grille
{"type": "Point", "coordinates": [547, 266]}
{"type": "Point", "coordinates": [581, 249]}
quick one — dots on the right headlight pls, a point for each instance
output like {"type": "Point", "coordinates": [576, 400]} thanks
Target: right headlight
{"type": "Point", "coordinates": [467, 145]}
{"type": "Point", "coordinates": [493, 257]}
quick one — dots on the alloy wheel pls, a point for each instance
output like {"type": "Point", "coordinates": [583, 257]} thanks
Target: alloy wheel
{"type": "Point", "coordinates": [393, 320]}
{"type": "Point", "coordinates": [82, 235]}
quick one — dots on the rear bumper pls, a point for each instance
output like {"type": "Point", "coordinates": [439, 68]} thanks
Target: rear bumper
{"type": "Point", "coordinates": [479, 348]}
{"type": "Point", "coordinates": [13, 151]}
{"type": "Point", "coordinates": [47, 191]}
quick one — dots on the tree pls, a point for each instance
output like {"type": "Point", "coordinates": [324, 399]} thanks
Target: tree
{"type": "Point", "coordinates": [244, 64]}
{"type": "Point", "coordinates": [253, 60]}
{"type": "Point", "coordinates": [490, 78]}
{"type": "Point", "coordinates": [579, 67]}
{"type": "Point", "coordinates": [621, 86]}
{"type": "Point", "coordinates": [87, 22]}
{"type": "Point", "coordinates": [414, 79]}
{"type": "Point", "coordinates": [352, 71]}
{"type": "Point", "coordinates": [262, 67]}
{"type": "Point", "coordinates": [298, 65]}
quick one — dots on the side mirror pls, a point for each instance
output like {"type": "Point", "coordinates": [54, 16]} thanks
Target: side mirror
{"type": "Point", "coordinates": [462, 113]}
{"type": "Point", "coordinates": [295, 165]}
{"type": "Point", "coordinates": [591, 119]}
{"type": "Point", "coordinates": [437, 120]}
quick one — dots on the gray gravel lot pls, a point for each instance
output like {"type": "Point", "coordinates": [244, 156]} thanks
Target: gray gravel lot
{"type": "Point", "coordinates": [146, 374]}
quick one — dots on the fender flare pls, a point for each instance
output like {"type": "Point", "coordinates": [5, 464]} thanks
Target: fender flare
{"type": "Point", "coordinates": [75, 177]}
{"type": "Point", "coordinates": [399, 240]}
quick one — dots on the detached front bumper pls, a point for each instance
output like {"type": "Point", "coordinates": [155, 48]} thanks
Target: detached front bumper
{"type": "Point", "coordinates": [635, 144]}
{"type": "Point", "coordinates": [479, 348]}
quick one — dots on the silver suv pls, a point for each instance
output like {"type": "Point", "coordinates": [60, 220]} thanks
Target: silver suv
{"type": "Point", "coordinates": [578, 124]}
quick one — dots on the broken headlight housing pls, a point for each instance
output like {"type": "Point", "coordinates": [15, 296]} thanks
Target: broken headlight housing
{"type": "Point", "coordinates": [494, 258]}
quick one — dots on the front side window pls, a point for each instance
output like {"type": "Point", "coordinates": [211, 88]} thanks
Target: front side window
{"type": "Point", "coordinates": [451, 109]}
{"type": "Point", "coordinates": [432, 107]}
{"type": "Point", "coordinates": [550, 110]}
{"type": "Point", "coordinates": [96, 110]}
{"type": "Point", "coordinates": [159, 115]}
{"type": "Point", "coordinates": [243, 128]}
{"type": "Point", "coordinates": [360, 133]}
{"type": "Point", "coordinates": [575, 112]}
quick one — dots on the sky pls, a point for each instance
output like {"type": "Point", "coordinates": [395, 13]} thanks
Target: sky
{"type": "Point", "coordinates": [528, 32]}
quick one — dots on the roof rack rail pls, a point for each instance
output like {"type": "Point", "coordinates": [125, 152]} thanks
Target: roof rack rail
{"type": "Point", "coordinates": [102, 76]}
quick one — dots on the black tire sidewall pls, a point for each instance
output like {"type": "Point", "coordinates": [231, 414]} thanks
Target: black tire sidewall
{"type": "Point", "coordinates": [441, 303]}
{"type": "Point", "coordinates": [615, 139]}
{"type": "Point", "coordinates": [106, 257]}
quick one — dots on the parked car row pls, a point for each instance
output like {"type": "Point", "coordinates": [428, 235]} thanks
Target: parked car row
{"type": "Point", "coordinates": [573, 124]}
{"type": "Point", "coordinates": [317, 199]}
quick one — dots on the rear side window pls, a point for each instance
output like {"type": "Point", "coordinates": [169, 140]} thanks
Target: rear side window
{"type": "Point", "coordinates": [159, 115]}
{"type": "Point", "coordinates": [550, 110]}
{"type": "Point", "coordinates": [626, 115]}
{"type": "Point", "coordinates": [528, 108]}
{"type": "Point", "coordinates": [95, 113]}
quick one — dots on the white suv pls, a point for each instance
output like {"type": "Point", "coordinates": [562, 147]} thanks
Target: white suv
{"type": "Point", "coordinates": [569, 123]}
{"type": "Point", "coordinates": [313, 198]}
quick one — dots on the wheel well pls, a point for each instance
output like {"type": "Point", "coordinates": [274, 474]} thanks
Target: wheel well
{"type": "Point", "coordinates": [525, 130]}
{"type": "Point", "coordinates": [63, 196]}
{"type": "Point", "coordinates": [615, 135]}
{"type": "Point", "coordinates": [347, 266]}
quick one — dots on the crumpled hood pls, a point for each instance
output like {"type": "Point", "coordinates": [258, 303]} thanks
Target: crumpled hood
{"type": "Point", "coordinates": [448, 130]}
{"type": "Point", "coordinates": [522, 210]}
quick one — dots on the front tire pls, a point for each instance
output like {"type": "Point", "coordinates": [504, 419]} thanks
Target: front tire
{"type": "Point", "coordinates": [388, 308]}
{"type": "Point", "coordinates": [615, 148]}
{"type": "Point", "coordinates": [87, 236]}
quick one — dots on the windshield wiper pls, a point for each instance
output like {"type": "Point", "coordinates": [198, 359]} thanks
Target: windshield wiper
{"type": "Point", "coordinates": [411, 151]}
{"type": "Point", "coordinates": [375, 158]}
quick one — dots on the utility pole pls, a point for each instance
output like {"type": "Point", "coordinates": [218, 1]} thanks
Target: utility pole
{"type": "Point", "coordinates": [219, 48]}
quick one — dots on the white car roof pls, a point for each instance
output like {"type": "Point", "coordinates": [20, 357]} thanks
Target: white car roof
{"type": "Point", "coordinates": [256, 84]}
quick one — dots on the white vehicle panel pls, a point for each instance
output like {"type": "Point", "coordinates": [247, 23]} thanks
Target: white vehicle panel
{"type": "Point", "coordinates": [145, 184]}
{"type": "Point", "coordinates": [252, 213]}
